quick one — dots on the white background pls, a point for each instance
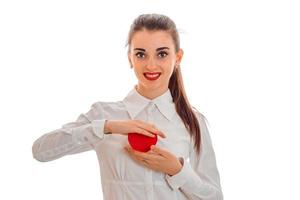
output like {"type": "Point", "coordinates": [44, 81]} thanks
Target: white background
{"type": "Point", "coordinates": [240, 69]}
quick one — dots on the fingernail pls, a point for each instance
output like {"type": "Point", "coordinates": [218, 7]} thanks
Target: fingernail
{"type": "Point", "coordinates": [162, 134]}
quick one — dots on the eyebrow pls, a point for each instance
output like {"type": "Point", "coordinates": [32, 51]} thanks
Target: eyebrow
{"type": "Point", "coordinates": [158, 49]}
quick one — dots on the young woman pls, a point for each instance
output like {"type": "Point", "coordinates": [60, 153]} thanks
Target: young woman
{"type": "Point", "coordinates": [182, 164]}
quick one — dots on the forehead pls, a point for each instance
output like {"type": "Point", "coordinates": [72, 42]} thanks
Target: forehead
{"type": "Point", "coordinates": [152, 40]}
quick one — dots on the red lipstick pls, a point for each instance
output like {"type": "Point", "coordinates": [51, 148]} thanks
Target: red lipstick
{"type": "Point", "coordinates": [152, 76]}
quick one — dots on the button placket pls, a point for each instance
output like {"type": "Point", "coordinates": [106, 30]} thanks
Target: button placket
{"type": "Point", "coordinates": [149, 186]}
{"type": "Point", "coordinates": [150, 109]}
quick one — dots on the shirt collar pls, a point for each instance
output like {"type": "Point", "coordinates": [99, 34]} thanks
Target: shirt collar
{"type": "Point", "coordinates": [135, 103]}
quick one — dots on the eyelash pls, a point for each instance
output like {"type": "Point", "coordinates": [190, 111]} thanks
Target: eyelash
{"type": "Point", "coordinates": [162, 52]}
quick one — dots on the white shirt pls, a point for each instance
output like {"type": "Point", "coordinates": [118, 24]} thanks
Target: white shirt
{"type": "Point", "coordinates": [122, 177]}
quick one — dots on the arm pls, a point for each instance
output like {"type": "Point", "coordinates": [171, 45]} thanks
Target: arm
{"type": "Point", "coordinates": [199, 178]}
{"type": "Point", "coordinates": [73, 137]}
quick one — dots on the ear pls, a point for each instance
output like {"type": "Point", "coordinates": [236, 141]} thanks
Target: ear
{"type": "Point", "coordinates": [179, 56]}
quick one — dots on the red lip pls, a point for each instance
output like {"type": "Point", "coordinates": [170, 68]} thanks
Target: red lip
{"type": "Point", "coordinates": [152, 78]}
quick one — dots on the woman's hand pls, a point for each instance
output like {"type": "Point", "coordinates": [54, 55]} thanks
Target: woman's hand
{"type": "Point", "coordinates": [132, 126]}
{"type": "Point", "coordinates": [157, 158]}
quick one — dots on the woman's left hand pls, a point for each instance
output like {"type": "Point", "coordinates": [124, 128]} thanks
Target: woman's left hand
{"type": "Point", "coordinates": [157, 158]}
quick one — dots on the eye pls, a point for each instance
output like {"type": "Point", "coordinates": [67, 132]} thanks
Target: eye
{"type": "Point", "coordinates": [162, 54]}
{"type": "Point", "coordinates": [140, 55]}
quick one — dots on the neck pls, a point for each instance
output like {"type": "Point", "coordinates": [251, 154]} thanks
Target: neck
{"type": "Point", "coordinates": [150, 94]}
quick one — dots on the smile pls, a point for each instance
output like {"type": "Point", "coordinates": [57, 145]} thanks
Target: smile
{"type": "Point", "coordinates": [152, 76]}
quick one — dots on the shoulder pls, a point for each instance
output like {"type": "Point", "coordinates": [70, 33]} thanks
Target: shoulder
{"type": "Point", "coordinates": [108, 107]}
{"type": "Point", "coordinates": [205, 128]}
{"type": "Point", "coordinates": [108, 104]}
{"type": "Point", "coordinates": [201, 117]}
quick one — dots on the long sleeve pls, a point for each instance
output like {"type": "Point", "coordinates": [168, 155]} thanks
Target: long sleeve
{"type": "Point", "coordinates": [73, 137]}
{"type": "Point", "coordinates": [199, 178]}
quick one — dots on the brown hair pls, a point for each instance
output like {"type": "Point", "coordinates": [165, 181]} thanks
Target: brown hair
{"type": "Point", "coordinates": [158, 22]}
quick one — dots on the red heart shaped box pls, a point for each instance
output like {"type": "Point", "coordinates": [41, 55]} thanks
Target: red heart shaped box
{"type": "Point", "coordinates": [141, 142]}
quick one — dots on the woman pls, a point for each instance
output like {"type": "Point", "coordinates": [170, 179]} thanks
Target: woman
{"type": "Point", "coordinates": [182, 164]}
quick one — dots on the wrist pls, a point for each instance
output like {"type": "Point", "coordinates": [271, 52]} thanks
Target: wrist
{"type": "Point", "coordinates": [107, 127]}
{"type": "Point", "coordinates": [178, 168]}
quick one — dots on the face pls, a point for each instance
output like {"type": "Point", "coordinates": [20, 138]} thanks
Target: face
{"type": "Point", "coordinates": [153, 57]}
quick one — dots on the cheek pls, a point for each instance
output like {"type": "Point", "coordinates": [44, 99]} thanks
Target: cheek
{"type": "Point", "coordinates": [137, 72]}
{"type": "Point", "coordinates": [168, 64]}
{"type": "Point", "coordinates": [168, 68]}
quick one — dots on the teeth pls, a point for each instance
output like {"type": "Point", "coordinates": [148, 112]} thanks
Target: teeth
{"type": "Point", "coordinates": [152, 75]}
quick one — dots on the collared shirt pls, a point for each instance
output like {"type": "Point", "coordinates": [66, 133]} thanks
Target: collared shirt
{"type": "Point", "coordinates": [121, 176]}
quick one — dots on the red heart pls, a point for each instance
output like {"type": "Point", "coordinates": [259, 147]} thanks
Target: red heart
{"type": "Point", "coordinates": [141, 142]}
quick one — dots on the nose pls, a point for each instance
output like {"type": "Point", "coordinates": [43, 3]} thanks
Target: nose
{"type": "Point", "coordinates": [151, 64]}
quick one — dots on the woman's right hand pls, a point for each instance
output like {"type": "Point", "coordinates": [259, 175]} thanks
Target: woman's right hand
{"type": "Point", "coordinates": [132, 126]}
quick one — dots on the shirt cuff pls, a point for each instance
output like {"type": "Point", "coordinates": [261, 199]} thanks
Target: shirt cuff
{"type": "Point", "coordinates": [179, 179]}
{"type": "Point", "coordinates": [98, 127]}
{"type": "Point", "coordinates": [95, 129]}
